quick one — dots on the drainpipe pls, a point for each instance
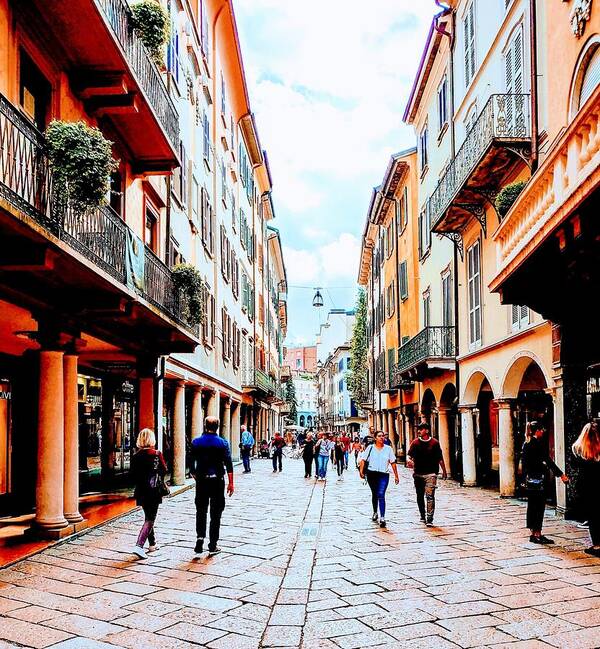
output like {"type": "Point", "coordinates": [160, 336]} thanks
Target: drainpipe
{"type": "Point", "coordinates": [534, 75]}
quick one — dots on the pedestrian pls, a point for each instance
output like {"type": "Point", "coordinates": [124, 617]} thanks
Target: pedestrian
{"type": "Point", "coordinates": [426, 457]}
{"type": "Point", "coordinates": [323, 450]}
{"type": "Point", "coordinates": [308, 453]}
{"type": "Point", "coordinates": [586, 450]}
{"type": "Point", "coordinates": [374, 464]}
{"type": "Point", "coordinates": [537, 466]}
{"type": "Point", "coordinates": [277, 445]}
{"type": "Point", "coordinates": [211, 459]}
{"type": "Point", "coordinates": [339, 457]}
{"type": "Point", "coordinates": [356, 448]}
{"type": "Point", "coordinates": [246, 445]}
{"type": "Point", "coordinates": [346, 442]}
{"type": "Point", "coordinates": [387, 440]}
{"type": "Point", "coordinates": [148, 468]}
{"type": "Point", "coordinates": [320, 435]}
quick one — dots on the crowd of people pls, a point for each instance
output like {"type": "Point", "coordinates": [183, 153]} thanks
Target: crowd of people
{"type": "Point", "coordinates": [374, 459]}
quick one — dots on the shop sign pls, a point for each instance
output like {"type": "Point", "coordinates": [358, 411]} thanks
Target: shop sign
{"type": "Point", "coordinates": [5, 395]}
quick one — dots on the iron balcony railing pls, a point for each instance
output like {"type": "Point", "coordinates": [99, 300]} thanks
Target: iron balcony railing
{"type": "Point", "coordinates": [504, 117]}
{"type": "Point", "coordinates": [257, 379]}
{"type": "Point", "coordinates": [429, 343]}
{"type": "Point", "coordinates": [118, 16]}
{"type": "Point", "coordinates": [99, 235]}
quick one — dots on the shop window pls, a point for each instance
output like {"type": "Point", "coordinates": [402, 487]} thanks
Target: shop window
{"type": "Point", "coordinates": [35, 92]}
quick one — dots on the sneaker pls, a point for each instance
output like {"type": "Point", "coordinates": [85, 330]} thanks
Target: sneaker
{"type": "Point", "coordinates": [199, 546]}
{"type": "Point", "coordinates": [153, 548]}
{"type": "Point", "coordinates": [594, 552]}
{"type": "Point", "coordinates": [215, 550]}
{"type": "Point", "coordinates": [374, 517]}
{"type": "Point", "coordinates": [382, 522]}
{"type": "Point", "coordinates": [545, 540]}
{"type": "Point", "coordinates": [584, 525]}
{"type": "Point", "coordinates": [429, 522]}
{"type": "Point", "coordinates": [274, 470]}
{"type": "Point", "coordinates": [140, 552]}
{"type": "Point", "coordinates": [422, 519]}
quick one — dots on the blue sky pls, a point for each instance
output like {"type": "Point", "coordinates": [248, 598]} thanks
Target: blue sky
{"type": "Point", "coordinates": [328, 82]}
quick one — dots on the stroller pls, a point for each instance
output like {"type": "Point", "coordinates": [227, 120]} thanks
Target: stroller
{"type": "Point", "coordinates": [263, 449]}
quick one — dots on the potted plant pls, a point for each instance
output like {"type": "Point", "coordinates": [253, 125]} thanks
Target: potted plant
{"type": "Point", "coordinates": [188, 280]}
{"type": "Point", "coordinates": [507, 196]}
{"type": "Point", "coordinates": [81, 162]}
{"type": "Point", "coordinates": [151, 23]}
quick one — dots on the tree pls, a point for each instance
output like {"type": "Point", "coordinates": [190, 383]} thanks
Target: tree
{"type": "Point", "coordinates": [290, 397]}
{"type": "Point", "coordinates": [357, 375]}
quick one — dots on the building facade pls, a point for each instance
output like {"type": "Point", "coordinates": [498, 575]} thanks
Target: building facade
{"type": "Point", "coordinates": [95, 331]}
{"type": "Point", "coordinates": [301, 359]}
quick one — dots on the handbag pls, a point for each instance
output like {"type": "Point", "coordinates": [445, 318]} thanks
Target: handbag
{"type": "Point", "coordinates": [366, 460]}
{"type": "Point", "coordinates": [156, 483]}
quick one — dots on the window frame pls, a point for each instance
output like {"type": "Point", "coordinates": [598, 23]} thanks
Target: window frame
{"type": "Point", "coordinates": [474, 294]}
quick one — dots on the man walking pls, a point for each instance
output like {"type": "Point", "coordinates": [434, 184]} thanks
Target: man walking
{"type": "Point", "coordinates": [246, 444]}
{"type": "Point", "coordinates": [211, 459]}
{"type": "Point", "coordinates": [426, 455]}
{"type": "Point", "coordinates": [346, 443]}
{"type": "Point", "coordinates": [277, 444]}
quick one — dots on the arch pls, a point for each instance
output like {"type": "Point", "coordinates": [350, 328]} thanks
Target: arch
{"type": "Point", "coordinates": [473, 385]}
{"type": "Point", "coordinates": [428, 400]}
{"type": "Point", "coordinates": [588, 51]}
{"type": "Point", "coordinates": [302, 420]}
{"type": "Point", "coordinates": [309, 420]}
{"type": "Point", "coordinates": [448, 396]}
{"type": "Point", "coordinates": [513, 377]}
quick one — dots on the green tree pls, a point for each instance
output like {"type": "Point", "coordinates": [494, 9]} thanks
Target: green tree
{"type": "Point", "coordinates": [357, 375]}
{"type": "Point", "coordinates": [290, 397]}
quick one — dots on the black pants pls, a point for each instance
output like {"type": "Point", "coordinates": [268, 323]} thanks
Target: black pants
{"type": "Point", "coordinates": [277, 457]}
{"type": "Point", "coordinates": [308, 462]}
{"type": "Point", "coordinates": [209, 491]}
{"type": "Point", "coordinates": [594, 521]}
{"type": "Point", "coordinates": [536, 504]}
{"type": "Point", "coordinates": [317, 465]}
{"type": "Point", "coordinates": [339, 465]}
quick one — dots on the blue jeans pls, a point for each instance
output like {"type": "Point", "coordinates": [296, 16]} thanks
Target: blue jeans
{"type": "Point", "coordinates": [246, 457]}
{"type": "Point", "coordinates": [322, 461]}
{"type": "Point", "coordinates": [346, 459]}
{"type": "Point", "coordinates": [378, 482]}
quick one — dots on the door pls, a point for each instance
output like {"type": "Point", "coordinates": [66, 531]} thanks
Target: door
{"type": "Point", "coordinates": [515, 101]}
{"type": "Point", "coordinates": [5, 440]}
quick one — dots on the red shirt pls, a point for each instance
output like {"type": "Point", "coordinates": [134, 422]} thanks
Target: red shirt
{"type": "Point", "coordinates": [345, 440]}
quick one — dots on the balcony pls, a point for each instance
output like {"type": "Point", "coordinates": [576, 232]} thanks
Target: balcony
{"type": "Point", "coordinates": [500, 135]}
{"type": "Point", "coordinates": [256, 380]}
{"type": "Point", "coordinates": [111, 70]}
{"type": "Point", "coordinates": [431, 350]}
{"type": "Point", "coordinates": [36, 230]}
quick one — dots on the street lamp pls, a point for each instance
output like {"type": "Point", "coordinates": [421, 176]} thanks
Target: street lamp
{"type": "Point", "coordinates": [318, 299]}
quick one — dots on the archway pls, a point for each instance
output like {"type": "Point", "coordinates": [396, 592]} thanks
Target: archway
{"type": "Point", "coordinates": [449, 431]}
{"type": "Point", "coordinates": [302, 420]}
{"type": "Point", "coordinates": [309, 421]}
{"type": "Point", "coordinates": [429, 411]}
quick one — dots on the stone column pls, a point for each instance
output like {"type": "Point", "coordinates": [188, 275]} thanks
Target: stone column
{"type": "Point", "coordinates": [444, 435]}
{"type": "Point", "coordinates": [468, 446]}
{"type": "Point", "coordinates": [213, 405]}
{"type": "Point", "coordinates": [506, 442]}
{"type": "Point", "coordinates": [226, 423]}
{"type": "Point", "coordinates": [146, 403]}
{"type": "Point", "coordinates": [391, 430]}
{"type": "Point", "coordinates": [179, 434]}
{"type": "Point", "coordinates": [196, 414]}
{"type": "Point", "coordinates": [49, 495]}
{"type": "Point", "coordinates": [71, 440]}
{"type": "Point", "coordinates": [235, 430]}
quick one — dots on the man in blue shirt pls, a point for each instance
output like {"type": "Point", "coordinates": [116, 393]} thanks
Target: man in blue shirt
{"type": "Point", "coordinates": [211, 459]}
{"type": "Point", "coordinates": [246, 444]}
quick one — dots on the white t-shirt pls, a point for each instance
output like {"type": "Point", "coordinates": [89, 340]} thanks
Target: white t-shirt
{"type": "Point", "coordinates": [378, 460]}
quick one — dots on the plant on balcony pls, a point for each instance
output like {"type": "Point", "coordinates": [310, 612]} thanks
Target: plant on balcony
{"type": "Point", "coordinates": [188, 280]}
{"type": "Point", "coordinates": [507, 196]}
{"type": "Point", "coordinates": [81, 162]}
{"type": "Point", "coordinates": [357, 375]}
{"type": "Point", "coordinates": [151, 23]}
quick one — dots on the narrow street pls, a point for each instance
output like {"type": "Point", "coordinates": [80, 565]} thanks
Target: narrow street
{"type": "Point", "coordinates": [304, 566]}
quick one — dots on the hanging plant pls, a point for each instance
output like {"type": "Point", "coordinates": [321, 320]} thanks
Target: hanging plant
{"type": "Point", "coordinates": [507, 196]}
{"type": "Point", "coordinates": [81, 162]}
{"type": "Point", "coordinates": [151, 23]}
{"type": "Point", "coordinates": [189, 281]}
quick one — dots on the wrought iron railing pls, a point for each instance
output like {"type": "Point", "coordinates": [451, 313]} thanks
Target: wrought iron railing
{"type": "Point", "coordinates": [429, 343]}
{"type": "Point", "coordinates": [118, 16]}
{"type": "Point", "coordinates": [504, 117]}
{"type": "Point", "coordinates": [99, 235]}
{"type": "Point", "coordinates": [255, 378]}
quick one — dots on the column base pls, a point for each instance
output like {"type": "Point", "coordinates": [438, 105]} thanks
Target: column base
{"type": "Point", "coordinates": [74, 518]}
{"type": "Point", "coordinates": [469, 484]}
{"type": "Point", "coordinates": [52, 534]}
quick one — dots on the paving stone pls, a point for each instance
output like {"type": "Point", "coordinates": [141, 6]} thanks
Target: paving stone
{"type": "Point", "coordinates": [146, 622]}
{"type": "Point", "coordinates": [83, 626]}
{"type": "Point", "coordinates": [34, 613]}
{"type": "Point", "coordinates": [282, 636]}
{"type": "Point", "coordinates": [192, 632]}
{"type": "Point", "coordinates": [582, 639]}
{"type": "Point", "coordinates": [234, 641]}
{"type": "Point", "coordinates": [288, 615]}
{"type": "Point", "coordinates": [28, 634]}
{"type": "Point", "coordinates": [366, 639]}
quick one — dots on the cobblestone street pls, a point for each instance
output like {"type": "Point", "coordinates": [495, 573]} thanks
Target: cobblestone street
{"type": "Point", "coordinates": [304, 566]}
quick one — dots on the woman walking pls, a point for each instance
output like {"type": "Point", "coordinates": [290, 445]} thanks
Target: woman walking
{"type": "Point", "coordinates": [536, 467]}
{"type": "Point", "coordinates": [587, 455]}
{"type": "Point", "coordinates": [339, 456]}
{"type": "Point", "coordinates": [374, 463]}
{"type": "Point", "coordinates": [308, 453]}
{"type": "Point", "coordinates": [356, 448]}
{"type": "Point", "coordinates": [323, 450]}
{"type": "Point", "coordinates": [149, 468]}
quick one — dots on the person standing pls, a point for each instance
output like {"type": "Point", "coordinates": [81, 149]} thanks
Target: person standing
{"type": "Point", "coordinates": [211, 459]}
{"type": "Point", "coordinates": [426, 457]}
{"type": "Point", "coordinates": [148, 468]}
{"type": "Point", "coordinates": [374, 464]}
{"type": "Point", "coordinates": [246, 445]}
{"type": "Point", "coordinates": [308, 453]}
{"type": "Point", "coordinates": [537, 466]}
{"type": "Point", "coordinates": [586, 450]}
{"type": "Point", "coordinates": [277, 445]}
{"type": "Point", "coordinates": [323, 450]}
{"type": "Point", "coordinates": [339, 456]}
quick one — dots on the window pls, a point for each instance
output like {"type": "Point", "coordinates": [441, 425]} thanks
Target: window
{"type": "Point", "coordinates": [469, 36]}
{"type": "Point", "coordinates": [207, 223]}
{"type": "Point", "coordinates": [223, 183]}
{"type": "Point", "coordinates": [424, 233]}
{"type": "Point", "coordinates": [519, 316]}
{"type": "Point", "coordinates": [447, 315]}
{"type": "Point", "coordinates": [225, 255]}
{"type": "Point", "coordinates": [233, 214]}
{"type": "Point", "coordinates": [591, 78]}
{"type": "Point", "coordinates": [223, 97]}
{"type": "Point", "coordinates": [235, 275]}
{"type": "Point", "coordinates": [403, 280]}
{"type": "Point", "coordinates": [402, 210]}
{"type": "Point", "coordinates": [173, 63]}
{"type": "Point", "coordinates": [35, 92]}
{"type": "Point", "coordinates": [513, 71]}
{"type": "Point", "coordinates": [206, 137]}
{"type": "Point", "coordinates": [390, 300]}
{"type": "Point", "coordinates": [427, 309]}
{"type": "Point", "coordinates": [474, 282]}
{"type": "Point", "coordinates": [237, 344]}
{"type": "Point", "coordinates": [226, 333]}
{"type": "Point", "coordinates": [116, 191]}
{"type": "Point", "coordinates": [151, 227]}
{"type": "Point", "coordinates": [423, 159]}
{"type": "Point", "coordinates": [389, 239]}
{"type": "Point", "coordinates": [204, 30]}
{"type": "Point", "coordinates": [442, 104]}
{"type": "Point", "coordinates": [208, 325]}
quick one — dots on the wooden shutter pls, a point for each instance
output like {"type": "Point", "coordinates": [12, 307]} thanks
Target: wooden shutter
{"type": "Point", "coordinates": [591, 78]}
{"type": "Point", "coordinates": [469, 36]}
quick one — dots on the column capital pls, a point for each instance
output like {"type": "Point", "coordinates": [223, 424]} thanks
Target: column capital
{"type": "Point", "coordinates": [179, 383]}
{"type": "Point", "coordinates": [505, 404]}
{"type": "Point", "coordinates": [466, 408]}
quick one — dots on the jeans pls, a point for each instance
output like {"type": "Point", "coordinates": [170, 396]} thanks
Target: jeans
{"type": "Point", "coordinates": [209, 492]}
{"type": "Point", "coordinates": [339, 465]}
{"type": "Point", "coordinates": [322, 461]}
{"type": "Point", "coordinates": [425, 487]}
{"type": "Point", "coordinates": [147, 532]}
{"type": "Point", "coordinates": [378, 482]}
{"type": "Point", "coordinates": [308, 461]}
{"type": "Point", "coordinates": [277, 457]}
{"type": "Point", "coordinates": [246, 457]}
{"type": "Point", "coordinates": [346, 454]}
{"type": "Point", "coordinates": [536, 504]}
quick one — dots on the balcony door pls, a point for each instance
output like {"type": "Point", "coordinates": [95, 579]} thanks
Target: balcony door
{"type": "Point", "coordinates": [513, 66]}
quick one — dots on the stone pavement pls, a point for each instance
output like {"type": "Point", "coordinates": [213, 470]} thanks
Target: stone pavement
{"type": "Point", "coordinates": [304, 566]}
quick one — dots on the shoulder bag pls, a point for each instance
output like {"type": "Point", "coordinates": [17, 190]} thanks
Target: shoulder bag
{"type": "Point", "coordinates": [366, 460]}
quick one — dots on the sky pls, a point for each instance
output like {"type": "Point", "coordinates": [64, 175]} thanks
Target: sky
{"type": "Point", "coordinates": [328, 82]}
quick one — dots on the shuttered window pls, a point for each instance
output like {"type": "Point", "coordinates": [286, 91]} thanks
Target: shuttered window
{"type": "Point", "coordinates": [513, 71]}
{"type": "Point", "coordinates": [447, 315]}
{"type": "Point", "coordinates": [474, 281]}
{"type": "Point", "coordinates": [403, 279]}
{"type": "Point", "coordinates": [591, 78]}
{"type": "Point", "coordinates": [519, 316]}
{"type": "Point", "coordinates": [469, 36]}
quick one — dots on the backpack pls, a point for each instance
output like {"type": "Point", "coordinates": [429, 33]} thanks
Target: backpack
{"type": "Point", "coordinates": [156, 482]}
